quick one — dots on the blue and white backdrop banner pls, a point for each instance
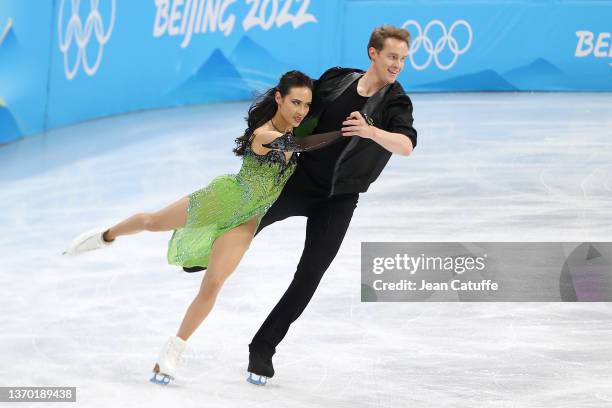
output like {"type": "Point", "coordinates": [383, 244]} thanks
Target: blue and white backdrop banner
{"type": "Point", "coordinates": [65, 61]}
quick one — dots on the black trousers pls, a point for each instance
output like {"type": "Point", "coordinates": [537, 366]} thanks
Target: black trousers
{"type": "Point", "coordinates": [328, 220]}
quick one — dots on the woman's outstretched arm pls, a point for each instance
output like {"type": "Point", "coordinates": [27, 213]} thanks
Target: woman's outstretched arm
{"type": "Point", "coordinates": [287, 142]}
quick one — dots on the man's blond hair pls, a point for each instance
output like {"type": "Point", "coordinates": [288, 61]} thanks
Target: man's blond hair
{"type": "Point", "coordinates": [380, 34]}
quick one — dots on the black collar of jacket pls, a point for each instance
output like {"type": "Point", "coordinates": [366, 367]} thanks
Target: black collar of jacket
{"type": "Point", "coordinates": [335, 81]}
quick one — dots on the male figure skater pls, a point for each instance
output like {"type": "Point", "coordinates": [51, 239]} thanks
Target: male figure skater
{"type": "Point", "coordinates": [326, 184]}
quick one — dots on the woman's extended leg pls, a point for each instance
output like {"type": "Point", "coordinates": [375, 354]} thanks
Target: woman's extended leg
{"type": "Point", "coordinates": [226, 253]}
{"type": "Point", "coordinates": [171, 217]}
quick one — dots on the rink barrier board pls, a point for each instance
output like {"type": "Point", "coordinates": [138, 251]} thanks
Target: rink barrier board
{"type": "Point", "coordinates": [60, 65]}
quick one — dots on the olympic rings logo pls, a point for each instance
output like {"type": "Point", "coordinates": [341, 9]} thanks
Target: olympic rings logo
{"type": "Point", "coordinates": [447, 39]}
{"type": "Point", "coordinates": [81, 35]}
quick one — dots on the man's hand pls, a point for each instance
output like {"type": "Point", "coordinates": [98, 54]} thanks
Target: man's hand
{"type": "Point", "coordinates": [356, 125]}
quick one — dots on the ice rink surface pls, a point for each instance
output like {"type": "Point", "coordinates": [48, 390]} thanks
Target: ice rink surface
{"type": "Point", "coordinates": [488, 167]}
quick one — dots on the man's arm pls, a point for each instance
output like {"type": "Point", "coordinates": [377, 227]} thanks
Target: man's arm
{"type": "Point", "coordinates": [397, 143]}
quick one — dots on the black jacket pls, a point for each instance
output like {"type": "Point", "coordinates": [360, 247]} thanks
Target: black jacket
{"type": "Point", "coordinates": [362, 160]}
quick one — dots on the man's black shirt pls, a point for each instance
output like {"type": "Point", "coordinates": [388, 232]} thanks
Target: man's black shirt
{"type": "Point", "coordinates": [319, 165]}
{"type": "Point", "coordinates": [358, 162]}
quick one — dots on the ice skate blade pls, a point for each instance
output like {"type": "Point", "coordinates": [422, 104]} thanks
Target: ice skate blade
{"type": "Point", "coordinates": [257, 379]}
{"type": "Point", "coordinates": [161, 379]}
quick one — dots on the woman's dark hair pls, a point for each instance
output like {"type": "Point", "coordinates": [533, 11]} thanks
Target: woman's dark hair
{"type": "Point", "coordinates": [264, 107]}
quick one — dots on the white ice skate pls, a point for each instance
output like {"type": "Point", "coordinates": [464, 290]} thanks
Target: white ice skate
{"type": "Point", "coordinates": [168, 361]}
{"type": "Point", "coordinates": [87, 241]}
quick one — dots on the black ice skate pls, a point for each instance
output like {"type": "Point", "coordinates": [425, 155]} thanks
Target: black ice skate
{"type": "Point", "coordinates": [260, 369]}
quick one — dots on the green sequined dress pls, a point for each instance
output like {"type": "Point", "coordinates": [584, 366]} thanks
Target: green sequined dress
{"type": "Point", "coordinates": [227, 202]}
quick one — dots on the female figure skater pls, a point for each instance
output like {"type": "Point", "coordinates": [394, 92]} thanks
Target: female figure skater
{"type": "Point", "coordinates": [214, 226]}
